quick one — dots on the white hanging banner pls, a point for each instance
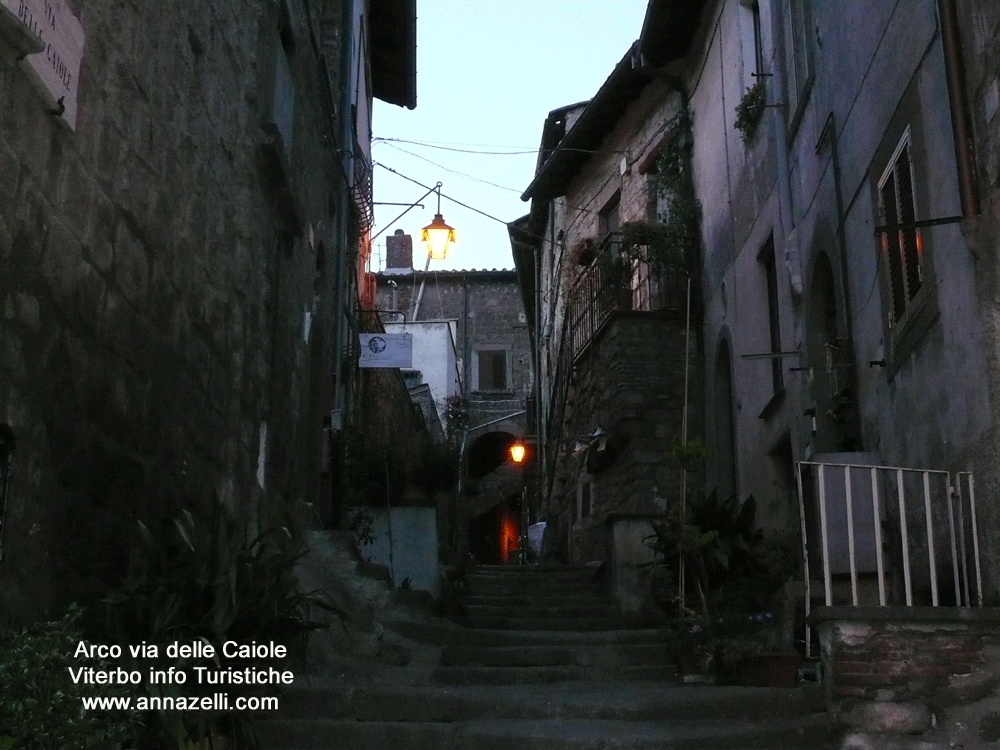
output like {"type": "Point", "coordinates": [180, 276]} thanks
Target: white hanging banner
{"type": "Point", "coordinates": [56, 69]}
{"type": "Point", "coordinates": [386, 350]}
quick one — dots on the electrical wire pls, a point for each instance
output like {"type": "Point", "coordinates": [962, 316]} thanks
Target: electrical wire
{"type": "Point", "coordinates": [453, 200]}
{"type": "Point", "coordinates": [455, 171]}
{"type": "Point", "coordinates": [517, 152]}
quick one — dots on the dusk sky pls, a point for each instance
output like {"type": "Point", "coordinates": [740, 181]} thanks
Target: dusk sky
{"type": "Point", "coordinates": [488, 73]}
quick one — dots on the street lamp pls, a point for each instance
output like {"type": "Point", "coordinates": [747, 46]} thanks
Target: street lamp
{"type": "Point", "coordinates": [518, 452]}
{"type": "Point", "coordinates": [437, 236]}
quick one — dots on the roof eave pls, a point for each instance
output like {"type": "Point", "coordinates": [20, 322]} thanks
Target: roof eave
{"type": "Point", "coordinates": [393, 25]}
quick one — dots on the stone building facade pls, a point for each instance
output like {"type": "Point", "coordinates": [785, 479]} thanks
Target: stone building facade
{"type": "Point", "coordinates": [978, 26]}
{"type": "Point", "coordinates": [170, 267]}
{"type": "Point", "coordinates": [616, 337]}
{"type": "Point", "coordinates": [493, 358]}
{"type": "Point", "coordinates": [841, 294]}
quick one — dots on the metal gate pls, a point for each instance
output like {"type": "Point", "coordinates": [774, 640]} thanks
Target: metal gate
{"type": "Point", "coordinates": [888, 535]}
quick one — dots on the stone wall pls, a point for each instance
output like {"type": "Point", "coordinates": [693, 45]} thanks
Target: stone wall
{"type": "Point", "coordinates": [630, 383]}
{"type": "Point", "coordinates": [912, 671]}
{"type": "Point", "coordinates": [165, 297]}
{"type": "Point", "coordinates": [979, 27]}
{"type": "Point", "coordinates": [489, 313]}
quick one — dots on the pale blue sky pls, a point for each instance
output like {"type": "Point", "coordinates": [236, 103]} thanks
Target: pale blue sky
{"type": "Point", "coordinates": [488, 73]}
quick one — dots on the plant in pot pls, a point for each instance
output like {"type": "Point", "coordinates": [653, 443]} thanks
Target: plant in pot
{"type": "Point", "coordinates": [704, 549]}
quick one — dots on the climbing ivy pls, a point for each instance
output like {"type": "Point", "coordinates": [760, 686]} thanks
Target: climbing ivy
{"type": "Point", "coordinates": [672, 241]}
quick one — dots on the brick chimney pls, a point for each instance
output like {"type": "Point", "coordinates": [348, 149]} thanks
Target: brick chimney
{"type": "Point", "coordinates": [398, 253]}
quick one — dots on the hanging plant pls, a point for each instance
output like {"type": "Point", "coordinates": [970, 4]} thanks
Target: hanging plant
{"type": "Point", "coordinates": [749, 111]}
{"type": "Point", "coordinates": [637, 233]}
{"type": "Point", "coordinates": [653, 242]}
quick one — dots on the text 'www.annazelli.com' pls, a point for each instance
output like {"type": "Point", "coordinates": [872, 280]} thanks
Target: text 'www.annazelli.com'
{"type": "Point", "coordinates": [214, 702]}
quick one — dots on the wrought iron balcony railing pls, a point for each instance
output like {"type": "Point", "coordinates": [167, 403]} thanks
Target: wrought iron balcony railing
{"type": "Point", "coordinates": [618, 281]}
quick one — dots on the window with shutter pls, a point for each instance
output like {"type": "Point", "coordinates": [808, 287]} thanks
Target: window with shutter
{"type": "Point", "coordinates": [902, 249]}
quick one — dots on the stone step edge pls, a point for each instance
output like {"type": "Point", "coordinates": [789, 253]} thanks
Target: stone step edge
{"type": "Point", "coordinates": [441, 632]}
{"type": "Point", "coordinates": [540, 734]}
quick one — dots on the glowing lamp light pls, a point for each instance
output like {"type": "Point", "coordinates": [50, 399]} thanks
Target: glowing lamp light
{"type": "Point", "coordinates": [438, 237]}
{"type": "Point", "coordinates": [518, 452]}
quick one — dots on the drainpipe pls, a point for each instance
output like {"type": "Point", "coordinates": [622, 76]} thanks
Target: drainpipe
{"type": "Point", "coordinates": [793, 264]}
{"type": "Point", "coordinates": [338, 417]}
{"type": "Point", "coordinates": [540, 423]}
{"type": "Point", "coordinates": [7, 445]}
{"type": "Point", "coordinates": [961, 121]}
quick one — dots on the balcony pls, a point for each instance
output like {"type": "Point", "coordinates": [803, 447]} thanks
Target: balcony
{"type": "Point", "coordinates": [361, 190]}
{"type": "Point", "coordinates": [649, 279]}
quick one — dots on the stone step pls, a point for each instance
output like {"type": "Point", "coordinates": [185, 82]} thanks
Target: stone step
{"type": "Point", "coordinates": [507, 656]}
{"type": "Point", "coordinates": [610, 699]}
{"type": "Point", "coordinates": [535, 600]}
{"type": "Point", "coordinates": [540, 569]}
{"type": "Point", "coordinates": [533, 574]}
{"type": "Point", "coordinates": [540, 656]}
{"type": "Point", "coordinates": [599, 610]}
{"type": "Point", "coordinates": [545, 734]}
{"type": "Point", "coordinates": [527, 622]}
{"type": "Point", "coordinates": [508, 675]}
{"type": "Point", "coordinates": [528, 587]}
{"type": "Point", "coordinates": [441, 632]}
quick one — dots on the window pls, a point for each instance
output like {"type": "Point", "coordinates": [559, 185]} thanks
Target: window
{"type": "Point", "coordinates": [751, 43]}
{"type": "Point", "coordinates": [798, 55]}
{"type": "Point", "coordinates": [609, 218]}
{"type": "Point", "coordinates": [902, 250]}
{"type": "Point", "coordinates": [769, 265]}
{"type": "Point", "coordinates": [492, 374]}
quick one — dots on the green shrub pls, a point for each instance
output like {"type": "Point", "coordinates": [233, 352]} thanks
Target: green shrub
{"type": "Point", "coordinates": [206, 581]}
{"type": "Point", "coordinates": [41, 707]}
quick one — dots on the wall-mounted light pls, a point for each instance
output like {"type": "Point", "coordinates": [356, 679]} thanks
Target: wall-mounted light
{"type": "Point", "coordinates": [518, 452]}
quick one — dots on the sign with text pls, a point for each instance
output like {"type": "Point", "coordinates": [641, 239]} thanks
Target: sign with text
{"type": "Point", "coordinates": [386, 350]}
{"type": "Point", "coordinates": [56, 69]}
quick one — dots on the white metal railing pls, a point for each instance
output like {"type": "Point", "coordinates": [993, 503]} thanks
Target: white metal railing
{"type": "Point", "coordinates": [850, 510]}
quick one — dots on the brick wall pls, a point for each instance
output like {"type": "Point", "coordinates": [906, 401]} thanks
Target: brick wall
{"type": "Point", "coordinates": [912, 670]}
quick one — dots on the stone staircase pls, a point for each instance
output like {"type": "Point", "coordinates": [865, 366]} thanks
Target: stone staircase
{"type": "Point", "coordinates": [538, 661]}
{"type": "Point", "coordinates": [546, 623]}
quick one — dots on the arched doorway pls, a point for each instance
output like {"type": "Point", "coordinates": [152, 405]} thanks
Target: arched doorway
{"type": "Point", "coordinates": [831, 360]}
{"type": "Point", "coordinates": [494, 501]}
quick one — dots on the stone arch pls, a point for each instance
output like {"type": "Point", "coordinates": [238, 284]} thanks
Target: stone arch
{"type": "Point", "coordinates": [490, 514]}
